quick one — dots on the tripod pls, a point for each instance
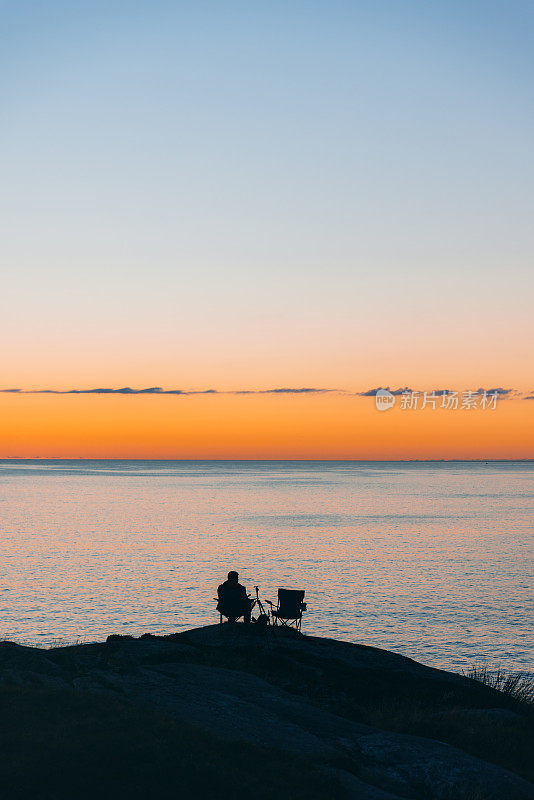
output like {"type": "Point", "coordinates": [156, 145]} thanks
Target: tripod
{"type": "Point", "coordinates": [263, 618]}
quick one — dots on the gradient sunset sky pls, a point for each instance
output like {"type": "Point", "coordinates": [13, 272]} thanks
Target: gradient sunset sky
{"type": "Point", "coordinates": [254, 196]}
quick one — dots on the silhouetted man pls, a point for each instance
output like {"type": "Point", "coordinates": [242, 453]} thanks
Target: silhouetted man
{"type": "Point", "coordinates": [233, 599]}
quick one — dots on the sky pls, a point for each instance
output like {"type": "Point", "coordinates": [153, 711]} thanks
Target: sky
{"type": "Point", "coordinates": [252, 196]}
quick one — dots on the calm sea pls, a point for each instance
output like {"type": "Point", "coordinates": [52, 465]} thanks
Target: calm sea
{"type": "Point", "coordinates": [432, 560]}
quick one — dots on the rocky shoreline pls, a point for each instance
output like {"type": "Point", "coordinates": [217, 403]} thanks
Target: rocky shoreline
{"type": "Point", "coordinates": [233, 708]}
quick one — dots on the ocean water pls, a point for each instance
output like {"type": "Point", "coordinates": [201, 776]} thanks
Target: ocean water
{"type": "Point", "coordinates": [432, 560]}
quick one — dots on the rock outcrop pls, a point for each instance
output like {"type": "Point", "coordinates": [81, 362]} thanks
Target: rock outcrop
{"type": "Point", "coordinates": [376, 725]}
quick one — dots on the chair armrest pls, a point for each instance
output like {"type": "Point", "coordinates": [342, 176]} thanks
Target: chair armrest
{"type": "Point", "coordinates": [269, 602]}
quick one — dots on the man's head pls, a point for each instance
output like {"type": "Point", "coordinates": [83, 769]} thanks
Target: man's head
{"type": "Point", "coordinates": [233, 576]}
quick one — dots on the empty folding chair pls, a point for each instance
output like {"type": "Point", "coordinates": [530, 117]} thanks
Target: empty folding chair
{"type": "Point", "coordinates": [288, 611]}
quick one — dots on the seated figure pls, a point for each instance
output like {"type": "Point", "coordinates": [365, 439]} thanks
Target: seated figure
{"type": "Point", "coordinates": [233, 601]}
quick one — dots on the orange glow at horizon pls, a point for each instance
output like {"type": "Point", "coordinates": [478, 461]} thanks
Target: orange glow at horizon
{"type": "Point", "coordinates": [328, 426]}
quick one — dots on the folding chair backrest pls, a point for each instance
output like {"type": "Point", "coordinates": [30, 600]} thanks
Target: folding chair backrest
{"type": "Point", "coordinates": [289, 603]}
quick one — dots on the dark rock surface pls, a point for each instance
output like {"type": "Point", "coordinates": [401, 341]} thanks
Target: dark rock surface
{"type": "Point", "coordinates": [378, 725]}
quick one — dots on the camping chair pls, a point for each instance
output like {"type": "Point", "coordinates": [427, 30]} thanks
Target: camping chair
{"type": "Point", "coordinates": [231, 612]}
{"type": "Point", "coordinates": [288, 611]}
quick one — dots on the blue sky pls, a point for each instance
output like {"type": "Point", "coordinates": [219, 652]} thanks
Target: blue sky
{"type": "Point", "coordinates": [245, 193]}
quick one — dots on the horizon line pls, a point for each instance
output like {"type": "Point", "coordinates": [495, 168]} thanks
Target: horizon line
{"type": "Point", "coordinates": [275, 460]}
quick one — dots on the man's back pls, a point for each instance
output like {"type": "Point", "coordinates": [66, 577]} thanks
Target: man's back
{"type": "Point", "coordinates": [231, 593]}
{"type": "Point", "coordinates": [233, 599]}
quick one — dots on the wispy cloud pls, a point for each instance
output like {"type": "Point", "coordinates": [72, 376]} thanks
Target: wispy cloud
{"type": "Point", "coordinates": [372, 392]}
{"type": "Point", "coordinates": [282, 390]}
{"type": "Point", "coordinates": [499, 391]}
{"type": "Point", "coordinates": [158, 390]}
{"type": "Point", "coordinates": [286, 390]}
{"type": "Point", "coordinates": [106, 390]}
